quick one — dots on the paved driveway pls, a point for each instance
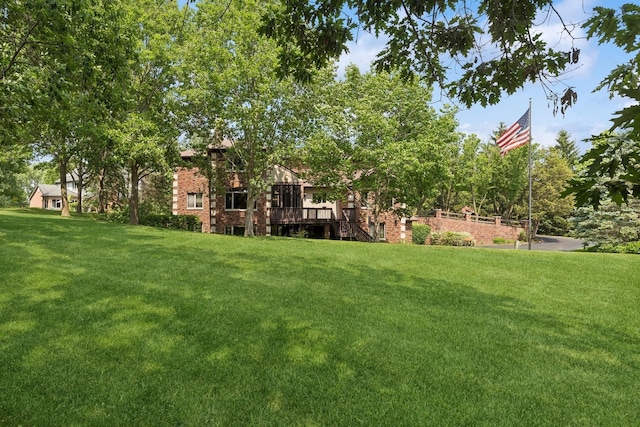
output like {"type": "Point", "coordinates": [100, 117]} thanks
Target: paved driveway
{"type": "Point", "coordinates": [545, 243]}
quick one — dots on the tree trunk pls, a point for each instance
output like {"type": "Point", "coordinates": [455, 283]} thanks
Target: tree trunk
{"type": "Point", "coordinates": [62, 163]}
{"type": "Point", "coordinates": [101, 199]}
{"type": "Point", "coordinates": [248, 219]}
{"type": "Point", "coordinates": [134, 177]}
{"type": "Point", "coordinates": [79, 186]}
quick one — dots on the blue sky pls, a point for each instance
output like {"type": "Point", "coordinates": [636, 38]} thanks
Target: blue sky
{"type": "Point", "coordinates": [590, 115]}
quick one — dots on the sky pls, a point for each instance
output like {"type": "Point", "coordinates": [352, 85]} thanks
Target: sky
{"type": "Point", "coordinates": [589, 116]}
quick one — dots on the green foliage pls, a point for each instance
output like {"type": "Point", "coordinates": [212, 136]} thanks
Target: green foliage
{"type": "Point", "coordinates": [419, 233]}
{"type": "Point", "coordinates": [499, 241]}
{"type": "Point", "coordinates": [176, 222]}
{"type": "Point", "coordinates": [233, 90]}
{"type": "Point", "coordinates": [621, 29]}
{"type": "Point", "coordinates": [611, 171]}
{"type": "Point", "coordinates": [522, 236]}
{"type": "Point", "coordinates": [378, 136]}
{"type": "Point", "coordinates": [567, 148]}
{"type": "Point", "coordinates": [554, 226]}
{"type": "Point", "coordinates": [550, 210]}
{"type": "Point", "coordinates": [625, 248]}
{"type": "Point", "coordinates": [609, 225]}
{"type": "Point", "coordinates": [507, 179]}
{"type": "Point", "coordinates": [424, 39]}
{"type": "Point", "coordinates": [451, 238]}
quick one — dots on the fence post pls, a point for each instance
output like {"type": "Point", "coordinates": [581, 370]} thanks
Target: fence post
{"type": "Point", "coordinates": [498, 220]}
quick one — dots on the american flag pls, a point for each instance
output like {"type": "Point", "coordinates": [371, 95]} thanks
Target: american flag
{"type": "Point", "coordinates": [515, 136]}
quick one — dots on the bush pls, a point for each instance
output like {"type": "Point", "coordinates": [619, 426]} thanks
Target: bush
{"type": "Point", "coordinates": [623, 248]}
{"type": "Point", "coordinates": [419, 233]}
{"type": "Point", "coordinates": [499, 241]}
{"type": "Point", "coordinates": [522, 236]}
{"type": "Point", "coordinates": [450, 238]}
{"type": "Point", "coordinates": [177, 222]}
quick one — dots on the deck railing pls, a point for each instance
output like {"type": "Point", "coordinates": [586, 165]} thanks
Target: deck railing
{"type": "Point", "coordinates": [301, 215]}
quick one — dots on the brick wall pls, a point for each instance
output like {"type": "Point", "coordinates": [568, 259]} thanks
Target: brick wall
{"type": "Point", "coordinates": [482, 232]}
{"type": "Point", "coordinates": [189, 180]}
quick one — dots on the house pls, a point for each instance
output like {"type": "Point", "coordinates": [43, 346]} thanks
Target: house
{"type": "Point", "coordinates": [289, 206]}
{"type": "Point", "coordinates": [48, 196]}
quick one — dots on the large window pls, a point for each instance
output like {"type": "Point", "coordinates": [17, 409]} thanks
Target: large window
{"type": "Point", "coordinates": [286, 196]}
{"type": "Point", "coordinates": [194, 201]}
{"type": "Point", "coordinates": [236, 198]}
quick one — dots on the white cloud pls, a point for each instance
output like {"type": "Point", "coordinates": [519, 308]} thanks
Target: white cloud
{"type": "Point", "coordinates": [362, 52]}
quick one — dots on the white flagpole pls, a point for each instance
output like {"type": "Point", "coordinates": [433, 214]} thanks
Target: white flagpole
{"type": "Point", "coordinates": [530, 233]}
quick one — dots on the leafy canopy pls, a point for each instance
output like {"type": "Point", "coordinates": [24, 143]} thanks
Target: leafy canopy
{"type": "Point", "coordinates": [495, 47]}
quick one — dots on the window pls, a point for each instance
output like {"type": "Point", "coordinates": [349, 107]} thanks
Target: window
{"type": "Point", "coordinates": [237, 230]}
{"type": "Point", "coordinates": [56, 204]}
{"type": "Point", "coordinates": [381, 231]}
{"type": "Point", "coordinates": [234, 162]}
{"type": "Point", "coordinates": [236, 198]}
{"type": "Point", "coordinates": [194, 201]}
{"type": "Point", "coordinates": [319, 197]}
{"type": "Point", "coordinates": [286, 196]}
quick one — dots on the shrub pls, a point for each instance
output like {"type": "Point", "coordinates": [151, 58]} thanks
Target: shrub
{"type": "Point", "coordinates": [450, 238]}
{"type": "Point", "coordinates": [522, 236]}
{"type": "Point", "coordinates": [623, 248]}
{"type": "Point", "coordinates": [419, 233]}
{"type": "Point", "coordinates": [499, 241]}
{"type": "Point", "coordinates": [177, 222]}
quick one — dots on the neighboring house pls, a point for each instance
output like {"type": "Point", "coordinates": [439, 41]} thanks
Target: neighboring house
{"type": "Point", "coordinates": [48, 196]}
{"type": "Point", "coordinates": [288, 207]}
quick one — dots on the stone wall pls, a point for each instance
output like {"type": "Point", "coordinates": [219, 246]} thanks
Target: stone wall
{"type": "Point", "coordinates": [483, 231]}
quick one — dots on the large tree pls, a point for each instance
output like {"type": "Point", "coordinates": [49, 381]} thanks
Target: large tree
{"type": "Point", "coordinates": [567, 148]}
{"type": "Point", "coordinates": [235, 96]}
{"type": "Point", "coordinates": [550, 210]}
{"type": "Point", "coordinates": [144, 129]}
{"type": "Point", "coordinates": [379, 138]}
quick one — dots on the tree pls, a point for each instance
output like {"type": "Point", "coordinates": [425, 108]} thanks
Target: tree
{"type": "Point", "coordinates": [429, 38]}
{"type": "Point", "coordinates": [611, 224]}
{"type": "Point", "coordinates": [611, 171]}
{"type": "Point", "coordinates": [550, 210]}
{"type": "Point", "coordinates": [13, 162]}
{"type": "Point", "coordinates": [144, 131]}
{"type": "Point", "coordinates": [235, 95]}
{"type": "Point", "coordinates": [379, 138]}
{"type": "Point", "coordinates": [508, 177]}
{"type": "Point", "coordinates": [567, 148]}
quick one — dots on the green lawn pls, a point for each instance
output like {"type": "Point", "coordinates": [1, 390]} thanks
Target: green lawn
{"type": "Point", "coordinates": [105, 324]}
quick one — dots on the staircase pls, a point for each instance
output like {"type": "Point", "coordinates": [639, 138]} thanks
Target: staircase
{"type": "Point", "coordinates": [350, 230]}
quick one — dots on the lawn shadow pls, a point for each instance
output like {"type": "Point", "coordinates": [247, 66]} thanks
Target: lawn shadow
{"type": "Point", "coordinates": [133, 330]}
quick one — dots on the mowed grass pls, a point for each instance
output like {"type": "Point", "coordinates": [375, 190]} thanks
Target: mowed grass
{"type": "Point", "coordinates": [105, 324]}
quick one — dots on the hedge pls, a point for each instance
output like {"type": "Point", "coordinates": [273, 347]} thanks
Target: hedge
{"type": "Point", "coordinates": [178, 222]}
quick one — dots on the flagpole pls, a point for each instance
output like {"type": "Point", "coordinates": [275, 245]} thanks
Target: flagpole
{"type": "Point", "coordinates": [530, 233]}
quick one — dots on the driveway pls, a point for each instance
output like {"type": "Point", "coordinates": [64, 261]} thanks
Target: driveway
{"type": "Point", "coordinates": [545, 243]}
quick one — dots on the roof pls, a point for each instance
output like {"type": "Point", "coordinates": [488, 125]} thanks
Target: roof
{"type": "Point", "coordinates": [223, 145]}
{"type": "Point", "coordinates": [52, 190]}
